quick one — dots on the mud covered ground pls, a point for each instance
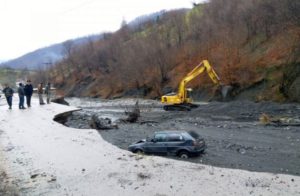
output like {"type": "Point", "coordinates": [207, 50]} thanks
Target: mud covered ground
{"type": "Point", "coordinates": [234, 135]}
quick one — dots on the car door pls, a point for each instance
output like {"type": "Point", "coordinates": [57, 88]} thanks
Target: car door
{"type": "Point", "coordinates": [158, 145]}
{"type": "Point", "coordinates": [175, 141]}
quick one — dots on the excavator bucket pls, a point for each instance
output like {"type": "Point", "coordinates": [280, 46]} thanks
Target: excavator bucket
{"type": "Point", "coordinates": [225, 90]}
{"type": "Point", "coordinates": [222, 93]}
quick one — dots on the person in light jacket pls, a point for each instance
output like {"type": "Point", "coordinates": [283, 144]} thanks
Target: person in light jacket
{"type": "Point", "coordinates": [40, 93]}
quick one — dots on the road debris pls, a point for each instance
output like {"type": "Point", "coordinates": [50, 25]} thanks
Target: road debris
{"type": "Point", "coordinates": [102, 123]}
{"type": "Point", "coordinates": [266, 119]}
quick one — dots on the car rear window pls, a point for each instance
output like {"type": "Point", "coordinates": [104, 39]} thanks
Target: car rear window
{"type": "Point", "coordinates": [187, 136]}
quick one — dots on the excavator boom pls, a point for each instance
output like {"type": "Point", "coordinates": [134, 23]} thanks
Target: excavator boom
{"type": "Point", "coordinates": [181, 100]}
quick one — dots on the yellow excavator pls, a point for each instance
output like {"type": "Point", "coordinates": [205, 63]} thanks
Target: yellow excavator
{"type": "Point", "coordinates": [182, 101]}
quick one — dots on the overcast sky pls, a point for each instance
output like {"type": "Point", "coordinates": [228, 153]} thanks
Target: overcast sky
{"type": "Point", "coordinates": [27, 25]}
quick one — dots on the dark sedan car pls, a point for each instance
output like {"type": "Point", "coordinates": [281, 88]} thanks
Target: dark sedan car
{"type": "Point", "coordinates": [179, 143]}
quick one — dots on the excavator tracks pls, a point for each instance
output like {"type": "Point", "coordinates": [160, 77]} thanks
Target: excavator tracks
{"type": "Point", "coordinates": [180, 107]}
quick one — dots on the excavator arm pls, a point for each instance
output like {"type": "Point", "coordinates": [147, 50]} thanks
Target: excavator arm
{"type": "Point", "coordinates": [203, 66]}
{"type": "Point", "coordinates": [181, 98]}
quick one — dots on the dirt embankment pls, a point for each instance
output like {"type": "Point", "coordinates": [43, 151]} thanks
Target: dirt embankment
{"type": "Point", "coordinates": [233, 133]}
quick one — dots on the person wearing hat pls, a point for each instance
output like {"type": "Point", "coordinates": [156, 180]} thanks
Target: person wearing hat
{"type": "Point", "coordinates": [21, 96]}
{"type": "Point", "coordinates": [8, 92]}
{"type": "Point", "coordinates": [28, 89]}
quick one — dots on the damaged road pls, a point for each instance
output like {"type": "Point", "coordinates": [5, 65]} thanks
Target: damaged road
{"type": "Point", "coordinates": [43, 157]}
{"type": "Point", "coordinates": [233, 132]}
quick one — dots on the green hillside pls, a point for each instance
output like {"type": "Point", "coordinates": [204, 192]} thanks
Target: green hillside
{"type": "Point", "coordinates": [11, 76]}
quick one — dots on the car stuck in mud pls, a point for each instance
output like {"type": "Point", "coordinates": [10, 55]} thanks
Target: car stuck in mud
{"type": "Point", "coordinates": [178, 143]}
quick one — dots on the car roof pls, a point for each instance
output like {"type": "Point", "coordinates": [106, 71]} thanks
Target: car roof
{"type": "Point", "coordinates": [170, 131]}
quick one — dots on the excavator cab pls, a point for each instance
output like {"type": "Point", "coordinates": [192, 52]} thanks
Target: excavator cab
{"type": "Point", "coordinates": [189, 92]}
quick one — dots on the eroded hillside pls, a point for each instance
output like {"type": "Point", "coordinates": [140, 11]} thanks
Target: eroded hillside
{"type": "Point", "coordinates": [253, 45]}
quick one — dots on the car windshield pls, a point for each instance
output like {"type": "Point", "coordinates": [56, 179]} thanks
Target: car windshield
{"type": "Point", "coordinates": [160, 137]}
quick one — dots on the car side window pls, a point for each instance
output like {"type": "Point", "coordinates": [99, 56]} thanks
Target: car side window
{"type": "Point", "coordinates": [175, 137]}
{"type": "Point", "coordinates": [160, 137]}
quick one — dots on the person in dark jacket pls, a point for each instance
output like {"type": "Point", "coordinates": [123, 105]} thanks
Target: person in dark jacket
{"type": "Point", "coordinates": [28, 89]}
{"type": "Point", "coordinates": [8, 92]}
{"type": "Point", "coordinates": [21, 96]}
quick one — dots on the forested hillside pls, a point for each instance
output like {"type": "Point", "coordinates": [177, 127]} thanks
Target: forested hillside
{"type": "Point", "coordinates": [253, 45]}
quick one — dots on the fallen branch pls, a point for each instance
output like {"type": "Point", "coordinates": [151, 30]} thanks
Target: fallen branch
{"type": "Point", "coordinates": [147, 121]}
{"type": "Point", "coordinates": [278, 122]}
{"type": "Point", "coordinates": [133, 115]}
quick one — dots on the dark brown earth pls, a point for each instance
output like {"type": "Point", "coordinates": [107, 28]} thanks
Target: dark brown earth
{"type": "Point", "coordinates": [234, 135]}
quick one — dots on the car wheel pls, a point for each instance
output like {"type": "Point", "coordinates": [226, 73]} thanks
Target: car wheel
{"type": "Point", "coordinates": [183, 155]}
{"type": "Point", "coordinates": [139, 151]}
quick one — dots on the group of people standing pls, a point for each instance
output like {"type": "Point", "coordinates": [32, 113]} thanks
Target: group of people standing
{"type": "Point", "coordinates": [26, 91]}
